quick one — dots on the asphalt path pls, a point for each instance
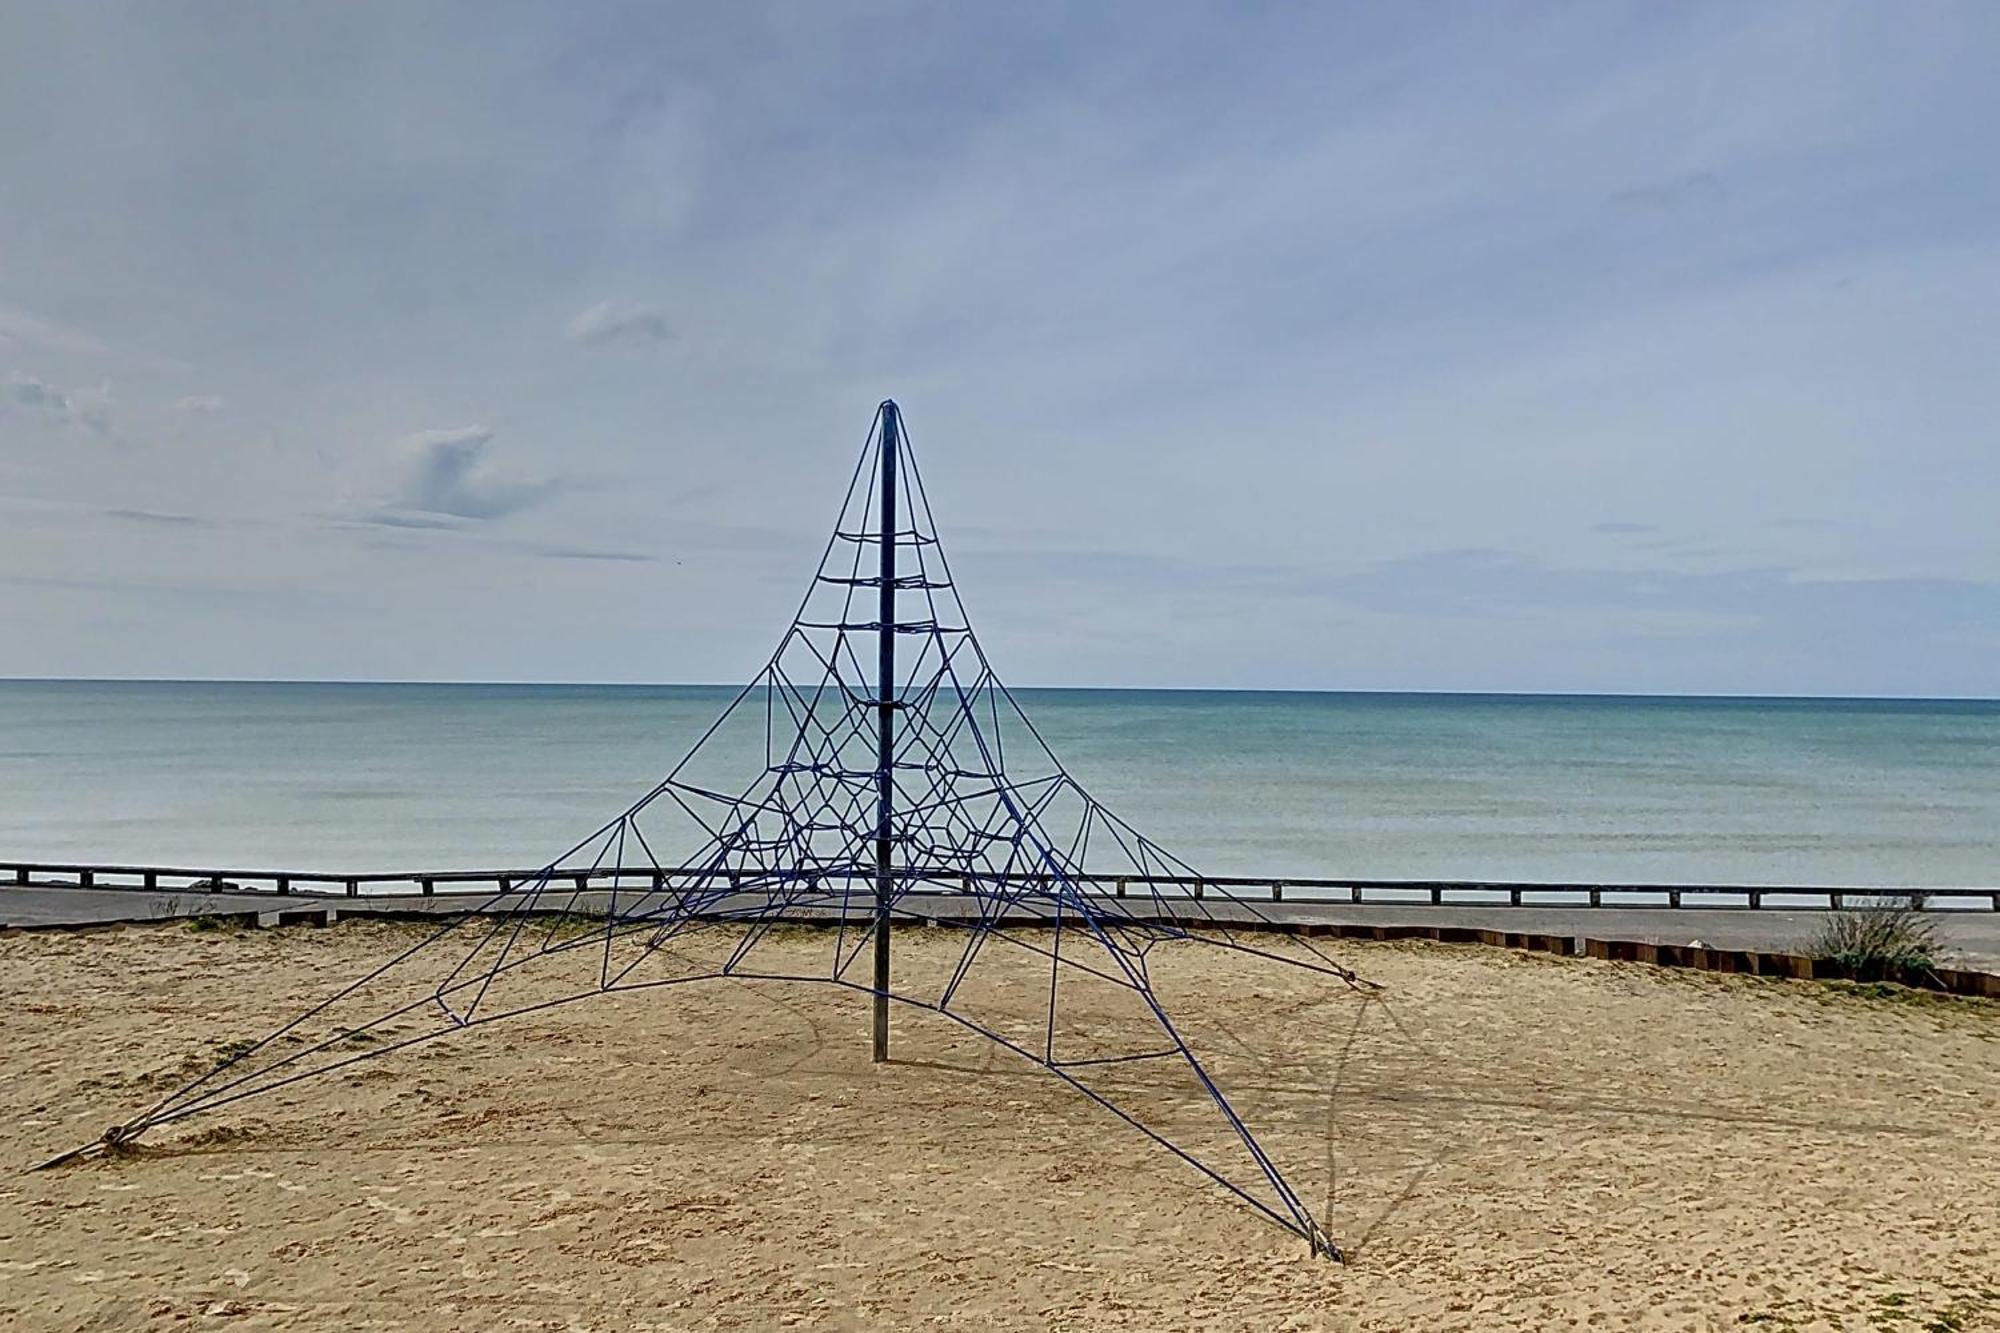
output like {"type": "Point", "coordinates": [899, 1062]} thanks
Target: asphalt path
{"type": "Point", "coordinates": [1972, 937]}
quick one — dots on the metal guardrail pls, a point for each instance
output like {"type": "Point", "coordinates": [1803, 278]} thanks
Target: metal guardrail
{"type": "Point", "coordinates": [1273, 888]}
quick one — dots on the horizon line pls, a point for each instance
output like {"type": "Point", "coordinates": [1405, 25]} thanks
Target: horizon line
{"type": "Point", "coordinates": [1717, 695]}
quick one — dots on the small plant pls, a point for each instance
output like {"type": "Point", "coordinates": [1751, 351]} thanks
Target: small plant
{"type": "Point", "coordinates": [1882, 939]}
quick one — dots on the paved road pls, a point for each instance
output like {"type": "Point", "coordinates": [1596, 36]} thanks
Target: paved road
{"type": "Point", "coordinates": [1974, 937]}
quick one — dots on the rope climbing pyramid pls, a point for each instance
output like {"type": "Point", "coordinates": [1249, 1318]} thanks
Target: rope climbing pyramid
{"type": "Point", "coordinates": [900, 782]}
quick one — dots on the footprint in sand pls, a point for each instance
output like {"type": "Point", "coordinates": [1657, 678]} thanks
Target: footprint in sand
{"type": "Point", "coordinates": [402, 1215]}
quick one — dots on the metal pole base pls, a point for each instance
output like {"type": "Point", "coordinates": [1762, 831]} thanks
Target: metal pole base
{"type": "Point", "coordinates": [881, 989]}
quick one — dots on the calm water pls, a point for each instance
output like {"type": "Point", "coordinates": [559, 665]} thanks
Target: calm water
{"type": "Point", "coordinates": [395, 777]}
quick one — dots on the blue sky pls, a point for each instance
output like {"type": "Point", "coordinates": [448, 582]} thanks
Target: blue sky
{"type": "Point", "coordinates": [1500, 346]}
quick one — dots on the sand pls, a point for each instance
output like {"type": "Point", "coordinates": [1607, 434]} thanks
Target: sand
{"type": "Point", "coordinates": [1501, 1141]}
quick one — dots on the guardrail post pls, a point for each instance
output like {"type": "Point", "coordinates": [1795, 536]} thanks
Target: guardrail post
{"type": "Point", "coordinates": [1118, 888]}
{"type": "Point", "coordinates": [506, 884]}
{"type": "Point", "coordinates": [428, 886]}
{"type": "Point", "coordinates": [86, 878]}
{"type": "Point", "coordinates": [1756, 898]}
{"type": "Point", "coordinates": [152, 880]}
{"type": "Point", "coordinates": [281, 885]}
{"type": "Point", "coordinates": [1197, 890]}
{"type": "Point", "coordinates": [1354, 893]}
{"type": "Point", "coordinates": [1277, 893]}
{"type": "Point", "coordinates": [353, 888]}
{"type": "Point", "coordinates": [1514, 896]}
{"type": "Point", "coordinates": [1597, 897]}
{"type": "Point", "coordinates": [20, 874]}
{"type": "Point", "coordinates": [1673, 897]}
{"type": "Point", "coordinates": [1437, 894]}
{"type": "Point", "coordinates": [1839, 900]}
{"type": "Point", "coordinates": [582, 882]}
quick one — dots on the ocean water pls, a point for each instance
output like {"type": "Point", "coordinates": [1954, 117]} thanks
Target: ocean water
{"type": "Point", "coordinates": [398, 777]}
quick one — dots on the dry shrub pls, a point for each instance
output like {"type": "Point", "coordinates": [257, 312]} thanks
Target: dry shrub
{"type": "Point", "coordinates": [1881, 939]}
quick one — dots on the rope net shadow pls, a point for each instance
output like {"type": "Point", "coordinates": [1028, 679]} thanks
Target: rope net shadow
{"type": "Point", "coordinates": [909, 786]}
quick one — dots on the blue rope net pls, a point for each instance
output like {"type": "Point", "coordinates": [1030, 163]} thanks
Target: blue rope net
{"type": "Point", "coordinates": [990, 838]}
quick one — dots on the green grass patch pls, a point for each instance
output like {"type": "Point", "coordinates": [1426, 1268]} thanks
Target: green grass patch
{"type": "Point", "coordinates": [1889, 939]}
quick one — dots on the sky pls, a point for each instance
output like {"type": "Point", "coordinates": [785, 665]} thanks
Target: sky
{"type": "Point", "coordinates": [1626, 348]}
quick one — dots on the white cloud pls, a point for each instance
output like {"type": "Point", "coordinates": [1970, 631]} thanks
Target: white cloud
{"type": "Point", "coordinates": [88, 409]}
{"type": "Point", "coordinates": [199, 402]}
{"type": "Point", "coordinates": [156, 516]}
{"type": "Point", "coordinates": [1449, 306]}
{"type": "Point", "coordinates": [1701, 189]}
{"type": "Point", "coordinates": [26, 327]}
{"type": "Point", "coordinates": [34, 393]}
{"type": "Point", "coordinates": [612, 322]}
{"type": "Point", "coordinates": [449, 472]}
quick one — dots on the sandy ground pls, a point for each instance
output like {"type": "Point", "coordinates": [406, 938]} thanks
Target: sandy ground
{"type": "Point", "coordinates": [1500, 1140]}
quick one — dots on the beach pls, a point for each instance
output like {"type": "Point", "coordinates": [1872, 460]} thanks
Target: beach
{"type": "Point", "coordinates": [1499, 1140]}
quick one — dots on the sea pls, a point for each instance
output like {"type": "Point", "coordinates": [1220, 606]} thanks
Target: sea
{"type": "Point", "coordinates": [400, 777]}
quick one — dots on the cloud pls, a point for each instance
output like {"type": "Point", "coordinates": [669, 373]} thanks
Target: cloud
{"type": "Point", "coordinates": [34, 393]}
{"type": "Point", "coordinates": [389, 518]}
{"type": "Point", "coordinates": [22, 326]}
{"type": "Point", "coordinates": [1624, 528]}
{"type": "Point", "coordinates": [89, 409]}
{"type": "Point", "coordinates": [1696, 190]}
{"type": "Point", "coordinates": [610, 322]}
{"type": "Point", "coordinates": [448, 472]}
{"type": "Point", "coordinates": [1485, 584]}
{"type": "Point", "coordinates": [199, 402]}
{"type": "Point", "coordinates": [584, 553]}
{"type": "Point", "coordinates": [1450, 306]}
{"type": "Point", "coordinates": [152, 516]}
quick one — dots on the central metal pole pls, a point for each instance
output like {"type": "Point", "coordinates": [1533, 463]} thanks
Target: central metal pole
{"type": "Point", "coordinates": [885, 735]}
